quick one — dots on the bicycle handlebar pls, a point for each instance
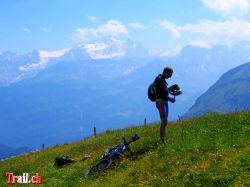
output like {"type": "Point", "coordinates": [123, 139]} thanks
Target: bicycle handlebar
{"type": "Point", "coordinates": [134, 138]}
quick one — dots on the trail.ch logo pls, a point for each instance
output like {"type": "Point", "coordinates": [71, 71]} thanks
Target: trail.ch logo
{"type": "Point", "coordinates": [23, 179]}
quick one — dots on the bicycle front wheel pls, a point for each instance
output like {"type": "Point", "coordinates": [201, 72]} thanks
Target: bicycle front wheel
{"type": "Point", "coordinates": [99, 166]}
{"type": "Point", "coordinates": [103, 164]}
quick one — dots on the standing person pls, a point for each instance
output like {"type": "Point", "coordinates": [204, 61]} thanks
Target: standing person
{"type": "Point", "coordinates": [160, 91]}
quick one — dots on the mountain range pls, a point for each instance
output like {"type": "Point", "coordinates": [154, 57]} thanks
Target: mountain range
{"type": "Point", "coordinates": [6, 151]}
{"type": "Point", "coordinates": [15, 67]}
{"type": "Point", "coordinates": [229, 94]}
{"type": "Point", "coordinates": [59, 96]}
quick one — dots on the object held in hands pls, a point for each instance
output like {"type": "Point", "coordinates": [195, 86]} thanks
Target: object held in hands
{"type": "Point", "coordinates": [175, 90]}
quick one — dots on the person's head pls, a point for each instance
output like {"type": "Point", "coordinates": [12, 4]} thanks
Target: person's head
{"type": "Point", "coordinates": [167, 72]}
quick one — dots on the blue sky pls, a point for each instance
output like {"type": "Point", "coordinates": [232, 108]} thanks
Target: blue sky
{"type": "Point", "coordinates": [162, 26]}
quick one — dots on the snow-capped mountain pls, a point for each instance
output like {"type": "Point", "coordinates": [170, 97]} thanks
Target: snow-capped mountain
{"type": "Point", "coordinates": [114, 48]}
{"type": "Point", "coordinates": [14, 67]}
{"type": "Point", "coordinates": [74, 88]}
{"type": "Point", "coordinates": [10, 64]}
{"type": "Point", "coordinates": [41, 60]}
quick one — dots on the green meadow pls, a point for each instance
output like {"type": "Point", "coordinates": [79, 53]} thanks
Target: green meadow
{"type": "Point", "coordinates": [212, 150]}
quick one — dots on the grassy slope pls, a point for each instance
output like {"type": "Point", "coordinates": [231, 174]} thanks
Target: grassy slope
{"type": "Point", "coordinates": [213, 150]}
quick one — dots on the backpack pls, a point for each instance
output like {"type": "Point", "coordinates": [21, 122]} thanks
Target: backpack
{"type": "Point", "coordinates": [151, 92]}
{"type": "Point", "coordinates": [62, 161]}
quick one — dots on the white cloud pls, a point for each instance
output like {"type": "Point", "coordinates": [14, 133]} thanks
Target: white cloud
{"type": "Point", "coordinates": [52, 54]}
{"type": "Point", "coordinates": [111, 28]}
{"type": "Point", "coordinates": [25, 29]}
{"type": "Point", "coordinates": [231, 30]}
{"type": "Point", "coordinates": [136, 25]}
{"type": "Point", "coordinates": [208, 32]}
{"type": "Point", "coordinates": [84, 34]}
{"type": "Point", "coordinates": [228, 7]}
{"type": "Point", "coordinates": [201, 44]}
{"type": "Point", "coordinates": [92, 18]}
{"type": "Point", "coordinates": [171, 28]}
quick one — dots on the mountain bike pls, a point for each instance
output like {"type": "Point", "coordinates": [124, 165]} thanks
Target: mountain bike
{"type": "Point", "coordinates": [111, 155]}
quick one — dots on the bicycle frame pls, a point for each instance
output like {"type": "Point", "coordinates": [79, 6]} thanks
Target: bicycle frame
{"type": "Point", "coordinates": [111, 155]}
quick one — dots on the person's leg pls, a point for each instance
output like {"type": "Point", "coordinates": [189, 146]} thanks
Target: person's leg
{"type": "Point", "coordinates": [163, 110]}
{"type": "Point", "coordinates": [164, 122]}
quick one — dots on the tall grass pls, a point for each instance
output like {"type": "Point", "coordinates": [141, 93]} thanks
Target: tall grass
{"type": "Point", "coordinates": [212, 150]}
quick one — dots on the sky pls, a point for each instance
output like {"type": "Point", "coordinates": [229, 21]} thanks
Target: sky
{"type": "Point", "coordinates": [162, 26]}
